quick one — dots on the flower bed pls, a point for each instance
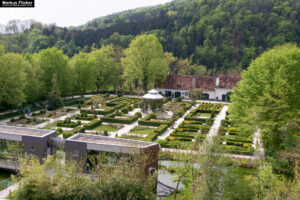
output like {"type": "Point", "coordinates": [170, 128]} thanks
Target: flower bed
{"type": "Point", "coordinates": [234, 140]}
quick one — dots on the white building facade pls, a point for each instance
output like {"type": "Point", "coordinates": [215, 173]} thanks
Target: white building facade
{"type": "Point", "coordinates": [213, 87]}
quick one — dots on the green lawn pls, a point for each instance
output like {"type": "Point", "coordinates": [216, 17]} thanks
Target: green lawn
{"type": "Point", "coordinates": [144, 130]}
{"type": "Point", "coordinates": [208, 115]}
{"type": "Point", "coordinates": [51, 126]}
{"type": "Point", "coordinates": [108, 128]}
{"type": "Point", "coordinates": [4, 174]}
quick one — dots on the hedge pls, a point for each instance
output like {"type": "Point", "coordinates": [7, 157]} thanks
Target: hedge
{"type": "Point", "coordinates": [68, 134]}
{"type": "Point", "coordinates": [98, 112]}
{"type": "Point", "coordinates": [128, 120]}
{"type": "Point", "coordinates": [161, 129]}
{"type": "Point", "coordinates": [146, 121]}
{"type": "Point", "coordinates": [82, 116]}
{"type": "Point", "coordinates": [93, 124]}
{"type": "Point", "coordinates": [66, 123]}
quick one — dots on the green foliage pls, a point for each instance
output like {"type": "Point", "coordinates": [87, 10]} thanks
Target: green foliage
{"type": "Point", "coordinates": [144, 62]}
{"type": "Point", "coordinates": [84, 70]}
{"type": "Point", "coordinates": [195, 94]}
{"type": "Point", "coordinates": [66, 182]}
{"type": "Point", "coordinates": [54, 98]}
{"type": "Point", "coordinates": [93, 124]}
{"type": "Point", "coordinates": [52, 61]}
{"type": "Point", "coordinates": [13, 79]}
{"type": "Point", "coordinates": [268, 97]}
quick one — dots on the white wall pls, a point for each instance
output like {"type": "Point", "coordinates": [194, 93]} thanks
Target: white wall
{"type": "Point", "coordinates": [217, 93]}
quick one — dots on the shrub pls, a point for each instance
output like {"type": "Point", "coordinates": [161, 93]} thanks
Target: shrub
{"type": "Point", "coordinates": [105, 133]}
{"type": "Point", "coordinates": [169, 99]}
{"type": "Point", "coordinates": [22, 117]}
{"type": "Point", "coordinates": [93, 124]}
{"type": "Point", "coordinates": [138, 114]}
{"type": "Point", "coordinates": [125, 110]}
{"type": "Point", "coordinates": [12, 120]}
{"type": "Point", "coordinates": [128, 120]}
{"type": "Point", "coordinates": [161, 129]}
{"type": "Point", "coordinates": [178, 99]}
{"type": "Point", "coordinates": [59, 131]}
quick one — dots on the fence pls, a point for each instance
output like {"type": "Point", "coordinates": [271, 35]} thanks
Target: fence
{"type": "Point", "coordinates": [6, 183]}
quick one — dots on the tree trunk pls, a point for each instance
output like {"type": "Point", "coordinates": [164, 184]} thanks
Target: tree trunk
{"type": "Point", "coordinates": [176, 189]}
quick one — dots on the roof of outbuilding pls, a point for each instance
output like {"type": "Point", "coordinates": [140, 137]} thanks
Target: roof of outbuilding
{"type": "Point", "coordinates": [188, 82]}
{"type": "Point", "coordinates": [24, 131]}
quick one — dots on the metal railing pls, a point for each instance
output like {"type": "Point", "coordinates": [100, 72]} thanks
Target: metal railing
{"type": "Point", "coordinates": [6, 183]}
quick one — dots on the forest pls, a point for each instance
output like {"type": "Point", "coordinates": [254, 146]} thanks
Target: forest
{"type": "Point", "coordinates": [222, 35]}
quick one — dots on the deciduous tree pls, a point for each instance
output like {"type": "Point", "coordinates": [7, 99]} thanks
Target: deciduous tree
{"type": "Point", "coordinates": [144, 62]}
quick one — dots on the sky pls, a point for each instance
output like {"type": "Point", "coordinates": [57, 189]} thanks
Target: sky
{"type": "Point", "coordinates": [72, 12]}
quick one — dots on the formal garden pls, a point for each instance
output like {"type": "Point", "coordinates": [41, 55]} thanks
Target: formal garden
{"type": "Point", "coordinates": [193, 130]}
{"type": "Point", "coordinates": [235, 140]}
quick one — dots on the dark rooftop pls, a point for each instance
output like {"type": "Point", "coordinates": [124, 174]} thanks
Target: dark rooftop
{"type": "Point", "coordinates": [24, 131]}
{"type": "Point", "coordinates": [97, 139]}
{"type": "Point", "coordinates": [188, 82]}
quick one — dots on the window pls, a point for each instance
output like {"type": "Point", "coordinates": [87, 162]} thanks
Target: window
{"type": "Point", "coordinates": [32, 148]}
{"type": "Point", "coordinates": [186, 94]}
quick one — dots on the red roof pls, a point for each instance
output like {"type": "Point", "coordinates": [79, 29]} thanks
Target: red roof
{"type": "Point", "coordinates": [188, 82]}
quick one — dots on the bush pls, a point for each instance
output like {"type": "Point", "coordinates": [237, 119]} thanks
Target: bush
{"type": "Point", "coordinates": [59, 131]}
{"type": "Point", "coordinates": [12, 120]}
{"type": "Point", "coordinates": [111, 118]}
{"type": "Point", "coordinates": [138, 114]}
{"type": "Point", "coordinates": [120, 94]}
{"type": "Point", "coordinates": [125, 110]}
{"type": "Point", "coordinates": [105, 133]}
{"type": "Point", "coordinates": [22, 117]}
{"type": "Point", "coordinates": [146, 121]}
{"type": "Point", "coordinates": [168, 99]}
{"type": "Point", "coordinates": [93, 124]}
{"type": "Point", "coordinates": [178, 99]}
{"type": "Point", "coordinates": [161, 129]}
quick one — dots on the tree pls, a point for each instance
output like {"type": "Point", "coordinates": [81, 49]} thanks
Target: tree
{"type": "Point", "coordinates": [207, 182]}
{"type": "Point", "coordinates": [144, 62]}
{"type": "Point", "coordinates": [84, 70]}
{"type": "Point", "coordinates": [53, 61]}
{"type": "Point", "coordinates": [107, 71]}
{"type": "Point", "coordinates": [196, 94]}
{"type": "Point", "coordinates": [268, 97]}
{"type": "Point", "coordinates": [13, 79]}
{"type": "Point", "coordinates": [54, 96]}
{"type": "Point", "coordinates": [66, 181]}
{"type": "Point", "coordinates": [95, 101]}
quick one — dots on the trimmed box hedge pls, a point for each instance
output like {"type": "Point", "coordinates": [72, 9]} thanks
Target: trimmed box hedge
{"type": "Point", "coordinates": [93, 124]}
{"type": "Point", "coordinates": [161, 129]}
{"type": "Point", "coordinates": [146, 121]}
{"type": "Point", "coordinates": [111, 118]}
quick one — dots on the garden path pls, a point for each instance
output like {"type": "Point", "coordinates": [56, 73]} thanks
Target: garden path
{"type": "Point", "coordinates": [127, 127]}
{"type": "Point", "coordinates": [176, 124]}
{"type": "Point", "coordinates": [4, 193]}
{"type": "Point", "coordinates": [216, 125]}
{"type": "Point", "coordinates": [51, 120]}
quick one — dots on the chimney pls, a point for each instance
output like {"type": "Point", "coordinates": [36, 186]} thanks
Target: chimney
{"type": "Point", "coordinates": [194, 82]}
{"type": "Point", "coordinates": [217, 81]}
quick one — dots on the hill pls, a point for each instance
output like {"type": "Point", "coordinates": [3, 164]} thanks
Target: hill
{"type": "Point", "coordinates": [220, 34]}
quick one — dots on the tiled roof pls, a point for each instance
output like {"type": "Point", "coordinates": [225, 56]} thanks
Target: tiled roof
{"type": "Point", "coordinates": [188, 82]}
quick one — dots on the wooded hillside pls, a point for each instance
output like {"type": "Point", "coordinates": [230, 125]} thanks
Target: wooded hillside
{"type": "Point", "coordinates": [220, 34]}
